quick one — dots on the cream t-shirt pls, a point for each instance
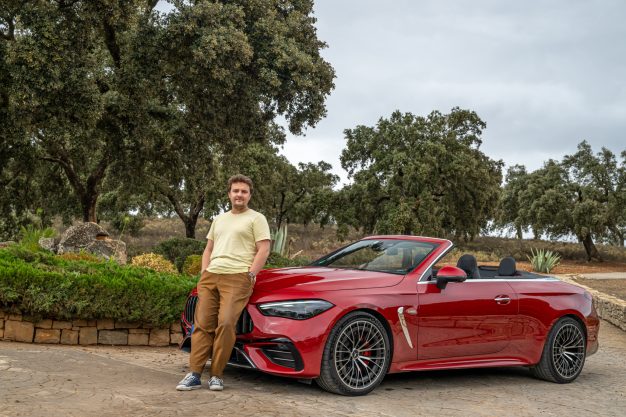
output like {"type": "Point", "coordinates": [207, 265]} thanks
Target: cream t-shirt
{"type": "Point", "coordinates": [234, 239]}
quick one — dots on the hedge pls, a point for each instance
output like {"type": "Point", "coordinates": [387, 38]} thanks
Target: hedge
{"type": "Point", "coordinates": [42, 285]}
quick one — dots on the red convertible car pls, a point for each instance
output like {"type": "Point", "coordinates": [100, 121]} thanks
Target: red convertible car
{"type": "Point", "coordinates": [389, 304]}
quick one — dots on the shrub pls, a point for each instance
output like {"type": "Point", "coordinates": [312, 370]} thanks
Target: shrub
{"type": "Point", "coordinates": [155, 262]}
{"type": "Point", "coordinates": [43, 285]}
{"type": "Point", "coordinates": [192, 265]}
{"type": "Point", "coordinates": [128, 224]}
{"type": "Point", "coordinates": [81, 256]}
{"type": "Point", "coordinates": [176, 250]}
{"type": "Point", "coordinates": [277, 261]}
{"type": "Point", "coordinates": [544, 261]}
{"type": "Point", "coordinates": [30, 235]}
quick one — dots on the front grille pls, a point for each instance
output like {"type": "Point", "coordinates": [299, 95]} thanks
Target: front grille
{"type": "Point", "coordinates": [244, 325]}
{"type": "Point", "coordinates": [190, 308]}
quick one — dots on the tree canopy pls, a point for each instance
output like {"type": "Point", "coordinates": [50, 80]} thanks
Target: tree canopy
{"type": "Point", "coordinates": [584, 195]}
{"type": "Point", "coordinates": [103, 88]}
{"type": "Point", "coordinates": [419, 175]}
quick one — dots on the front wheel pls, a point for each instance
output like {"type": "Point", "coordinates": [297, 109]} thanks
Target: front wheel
{"type": "Point", "coordinates": [356, 356]}
{"type": "Point", "coordinates": [563, 354]}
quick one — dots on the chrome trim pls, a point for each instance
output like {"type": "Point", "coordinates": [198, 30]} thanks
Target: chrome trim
{"type": "Point", "coordinates": [436, 260]}
{"type": "Point", "coordinates": [404, 328]}
{"type": "Point", "coordinates": [237, 365]}
{"type": "Point", "coordinates": [501, 280]}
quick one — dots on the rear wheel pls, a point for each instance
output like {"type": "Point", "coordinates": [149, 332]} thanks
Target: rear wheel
{"type": "Point", "coordinates": [563, 354]}
{"type": "Point", "coordinates": [356, 356]}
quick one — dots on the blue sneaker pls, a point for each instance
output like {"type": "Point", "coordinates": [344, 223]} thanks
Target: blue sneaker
{"type": "Point", "coordinates": [216, 384]}
{"type": "Point", "coordinates": [189, 382]}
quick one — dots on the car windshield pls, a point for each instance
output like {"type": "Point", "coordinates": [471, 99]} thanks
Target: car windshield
{"type": "Point", "coordinates": [382, 255]}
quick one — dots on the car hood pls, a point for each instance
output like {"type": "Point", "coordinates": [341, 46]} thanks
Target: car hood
{"type": "Point", "coordinates": [315, 278]}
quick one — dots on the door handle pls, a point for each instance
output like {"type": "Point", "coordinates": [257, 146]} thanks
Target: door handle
{"type": "Point", "coordinates": [502, 299]}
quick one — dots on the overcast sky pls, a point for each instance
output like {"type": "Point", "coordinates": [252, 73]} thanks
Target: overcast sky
{"type": "Point", "coordinates": [543, 75]}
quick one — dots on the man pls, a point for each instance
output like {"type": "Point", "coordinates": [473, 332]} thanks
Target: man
{"type": "Point", "coordinates": [237, 247]}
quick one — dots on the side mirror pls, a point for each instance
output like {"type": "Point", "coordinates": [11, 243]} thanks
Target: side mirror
{"type": "Point", "coordinates": [450, 274]}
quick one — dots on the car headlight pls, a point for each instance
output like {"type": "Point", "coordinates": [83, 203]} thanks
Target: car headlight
{"type": "Point", "coordinates": [297, 310]}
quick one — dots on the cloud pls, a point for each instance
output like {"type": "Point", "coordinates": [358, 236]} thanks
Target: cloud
{"type": "Point", "coordinates": [543, 75]}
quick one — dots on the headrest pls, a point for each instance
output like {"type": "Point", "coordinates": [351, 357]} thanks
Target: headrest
{"type": "Point", "coordinates": [507, 267]}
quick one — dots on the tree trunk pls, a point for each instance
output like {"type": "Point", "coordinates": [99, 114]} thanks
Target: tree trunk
{"type": "Point", "coordinates": [518, 231]}
{"type": "Point", "coordinates": [190, 226]}
{"type": "Point", "coordinates": [590, 248]}
{"type": "Point", "coordinates": [88, 204]}
{"type": "Point", "coordinates": [189, 220]}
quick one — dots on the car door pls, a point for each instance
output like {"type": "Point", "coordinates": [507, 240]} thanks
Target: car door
{"type": "Point", "coordinates": [469, 318]}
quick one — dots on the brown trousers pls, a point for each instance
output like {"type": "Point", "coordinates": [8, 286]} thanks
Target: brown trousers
{"type": "Point", "coordinates": [221, 299]}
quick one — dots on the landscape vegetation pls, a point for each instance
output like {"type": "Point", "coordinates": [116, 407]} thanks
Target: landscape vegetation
{"type": "Point", "coordinates": [116, 113]}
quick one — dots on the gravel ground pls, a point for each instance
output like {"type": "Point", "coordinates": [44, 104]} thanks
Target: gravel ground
{"type": "Point", "coordinates": [54, 380]}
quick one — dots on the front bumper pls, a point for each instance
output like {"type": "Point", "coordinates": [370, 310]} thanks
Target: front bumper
{"type": "Point", "coordinates": [275, 345]}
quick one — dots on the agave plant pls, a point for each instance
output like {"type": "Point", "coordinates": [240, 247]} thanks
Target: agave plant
{"type": "Point", "coordinates": [543, 260]}
{"type": "Point", "coordinates": [280, 244]}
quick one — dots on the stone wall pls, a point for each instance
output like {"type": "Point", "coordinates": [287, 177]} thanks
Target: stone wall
{"type": "Point", "coordinates": [609, 308]}
{"type": "Point", "coordinates": [15, 327]}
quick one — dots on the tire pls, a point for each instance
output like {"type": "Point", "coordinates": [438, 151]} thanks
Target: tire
{"type": "Point", "coordinates": [563, 354]}
{"type": "Point", "coordinates": [356, 357]}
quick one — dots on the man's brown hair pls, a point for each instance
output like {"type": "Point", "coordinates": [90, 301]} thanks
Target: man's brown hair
{"type": "Point", "coordinates": [239, 178]}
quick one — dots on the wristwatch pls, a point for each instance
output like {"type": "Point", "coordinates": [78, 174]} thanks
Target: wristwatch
{"type": "Point", "coordinates": [251, 275]}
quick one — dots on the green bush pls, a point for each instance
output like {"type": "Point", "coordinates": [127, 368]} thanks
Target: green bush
{"type": "Point", "coordinates": [127, 224]}
{"type": "Point", "coordinates": [176, 250]}
{"type": "Point", "coordinates": [43, 285]}
{"type": "Point", "coordinates": [277, 261]}
{"type": "Point", "coordinates": [544, 261]}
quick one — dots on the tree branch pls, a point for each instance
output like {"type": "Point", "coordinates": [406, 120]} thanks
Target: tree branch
{"type": "Point", "coordinates": [111, 42]}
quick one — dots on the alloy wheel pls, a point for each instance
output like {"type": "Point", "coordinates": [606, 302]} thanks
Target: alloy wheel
{"type": "Point", "coordinates": [568, 351]}
{"type": "Point", "coordinates": [360, 354]}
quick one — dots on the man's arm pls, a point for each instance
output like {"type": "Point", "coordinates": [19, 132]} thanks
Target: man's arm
{"type": "Point", "coordinates": [262, 252]}
{"type": "Point", "coordinates": [206, 255]}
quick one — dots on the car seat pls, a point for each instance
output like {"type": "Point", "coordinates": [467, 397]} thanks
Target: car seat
{"type": "Point", "coordinates": [507, 267]}
{"type": "Point", "coordinates": [468, 264]}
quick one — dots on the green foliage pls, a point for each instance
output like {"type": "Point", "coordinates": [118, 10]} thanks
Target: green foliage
{"type": "Point", "coordinates": [419, 175]}
{"type": "Point", "coordinates": [126, 223]}
{"type": "Point", "coordinates": [176, 250]}
{"type": "Point", "coordinates": [584, 195]}
{"type": "Point", "coordinates": [155, 262]}
{"type": "Point", "coordinates": [42, 285]}
{"type": "Point", "coordinates": [275, 260]}
{"type": "Point", "coordinates": [544, 261]}
{"type": "Point", "coordinates": [30, 235]}
{"type": "Point", "coordinates": [192, 265]}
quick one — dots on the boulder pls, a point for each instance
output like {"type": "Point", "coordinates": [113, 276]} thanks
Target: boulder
{"type": "Point", "coordinates": [7, 243]}
{"type": "Point", "coordinates": [49, 243]}
{"type": "Point", "coordinates": [92, 238]}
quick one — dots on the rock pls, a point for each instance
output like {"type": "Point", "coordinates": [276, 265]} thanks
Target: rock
{"type": "Point", "coordinates": [47, 336]}
{"type": "Point", "coordinates": [112, 337]}
{"type": "Point", "coordinates": [92, 238]}
{"type": "Point", "coordinates": [138, 339]}
{"type": "Point", "coordinates": [19, 331]}
{"type": "Point", "coordinates": [49, 244]}
{"type": "Point", "coordinates": [88, 336]}
{"type": "Point", "coordinates": [109, 249]}
{"type": "Point", "coordinates": [69, 337]}
{"type": "Point", "coordinates": [159, 337]}
{"type": "Point", "coordinates": [7, 243]}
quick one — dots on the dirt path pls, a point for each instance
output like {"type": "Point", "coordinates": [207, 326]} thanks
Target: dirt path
{"type": "Point", "coordinates": [38, 380]}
